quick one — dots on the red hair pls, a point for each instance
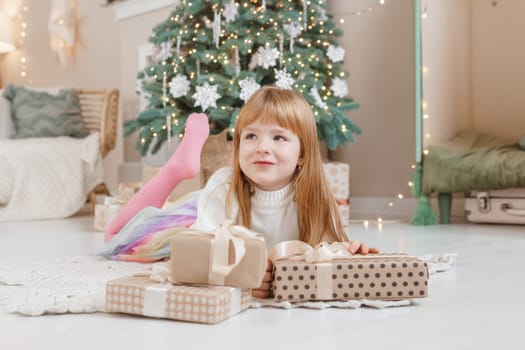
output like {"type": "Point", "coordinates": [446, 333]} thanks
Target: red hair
{"type": "Point", "coordinates": [317, 214]}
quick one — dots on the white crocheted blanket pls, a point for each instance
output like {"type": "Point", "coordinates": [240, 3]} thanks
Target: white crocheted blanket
{"type": "Point", "coordinates": [77, 285]}
{"type": "Point", "coordinates": [48, 177]}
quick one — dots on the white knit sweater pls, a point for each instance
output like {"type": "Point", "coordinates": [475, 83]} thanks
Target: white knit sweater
{"type": "Point", "coordinates": [273, 212]}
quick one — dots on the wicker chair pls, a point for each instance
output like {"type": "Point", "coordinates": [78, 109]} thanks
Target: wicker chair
{"type": "Point", "coordinates": [99, 109]}
{"type": "Point", "coordinates": [216, 153]}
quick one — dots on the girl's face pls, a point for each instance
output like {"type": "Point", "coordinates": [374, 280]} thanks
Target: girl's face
{"type": "Point", "coordinates": [269, 155]}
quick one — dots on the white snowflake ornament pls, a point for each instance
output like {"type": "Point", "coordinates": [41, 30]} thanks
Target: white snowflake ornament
{"type": "Point", "coordinates": [267, 57]}
{"type": "Point", "coordinates": [336, 54]}
{"type": "Point", "coordinates": [293, 29]}
{"type": "Point", "coordinates": [248, 88]}
{"type": "Point", "coordinates": [164, 51]}
{"type": "Point", "coordinates": [283, 79]}
{"type": "Point", "coordinates": [216, 29]}
{"type": "Point", "coordinates": [322, 13]}
{"type": "Point", "coordinates": [230, 12]}
{"type": "Point", "coordinates": [206, 96]}
{"type": "Point", "coordinates": [318, 100]}
{"type": "Point", "coordinates": [339, 87]}
{"type": "Point", "coordinates": [179, 86]}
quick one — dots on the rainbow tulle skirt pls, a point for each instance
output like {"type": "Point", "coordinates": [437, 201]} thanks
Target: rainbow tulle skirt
{"type": "Point", "coordinates": [145, 238]}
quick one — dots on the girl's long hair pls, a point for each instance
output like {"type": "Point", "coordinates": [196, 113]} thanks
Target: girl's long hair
{"type": "Point", "coordinates": [317, 214]}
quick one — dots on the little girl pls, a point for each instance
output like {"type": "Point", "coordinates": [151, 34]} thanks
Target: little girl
{"type": "Point", "coordinates": [276, 185]}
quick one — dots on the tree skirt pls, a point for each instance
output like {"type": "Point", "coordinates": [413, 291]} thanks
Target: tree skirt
{"type": "Point", "coordinates": [78, 284]}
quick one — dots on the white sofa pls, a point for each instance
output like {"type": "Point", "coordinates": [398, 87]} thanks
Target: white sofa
{"type": "Point", "coordinates": [51, 177]}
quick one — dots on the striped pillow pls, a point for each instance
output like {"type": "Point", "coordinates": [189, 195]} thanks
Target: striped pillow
{"type": "Point", "coordinates": [40, 114]}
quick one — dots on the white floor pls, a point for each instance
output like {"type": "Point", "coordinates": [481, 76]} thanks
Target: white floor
{"type": "Point", "coordinates": [478, 304]}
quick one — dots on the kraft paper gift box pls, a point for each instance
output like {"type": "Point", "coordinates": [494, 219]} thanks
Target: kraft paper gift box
{"type": "Point", "coordinates": [378, 276]}
{"type": "Point", "coordinates": [338, 177]}
{"type": "Point", "coordinates": [126, 190]}
{"type": "Point", "coordinates": [106, 212]}
{"type": "Point", "coordinates": [141, 295]}
{"type": "Point", "coordinates": [232, 256]}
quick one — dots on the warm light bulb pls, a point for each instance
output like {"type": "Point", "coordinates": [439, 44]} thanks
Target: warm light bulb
{"type": "Point", "coordinates": [400, 196]}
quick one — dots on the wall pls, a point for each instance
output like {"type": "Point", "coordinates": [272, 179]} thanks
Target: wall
{"type": "Point", "coordinates": [380, 159]}
{"type": "Point", "coordinates": [447, 90]}
{"type": "Point", "coordinates": [498, 46]}
{"type": "Point", "coordinates": [134, 32]}
{"type": "Point", "coordinates": [97, 63]}
{"type": "Point", "coordinates": [380, 58]}
{"type": "Point", "coordinates": [474, 51]}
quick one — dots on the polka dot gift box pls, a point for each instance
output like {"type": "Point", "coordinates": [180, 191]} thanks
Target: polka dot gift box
{"type": "Point", "coordinates": [338, 177]}
{"type": "Point", "coordinates": [314, 274]}
{"type": "Point", "coordinates": [140, 295]}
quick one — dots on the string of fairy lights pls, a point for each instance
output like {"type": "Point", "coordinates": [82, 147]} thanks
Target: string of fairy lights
{"type": "Point", "coordinates": [400, 196]}
{"type": "Point", "coordinates": [223, 37]}
{"type": "Point", "coordinates": [363, 11]}
{"type": "Point", "coordinates": [18, 13]}
{"type": "Point", "coordinates": [199, 27]}
{"type": "Point", "coordinates": [426, 133]}
{"type": "Point", "coordinates": [22, 15]}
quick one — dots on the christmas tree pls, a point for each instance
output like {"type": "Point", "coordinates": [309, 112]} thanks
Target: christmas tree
{"type": "Point", "coordinates": [211, 55]}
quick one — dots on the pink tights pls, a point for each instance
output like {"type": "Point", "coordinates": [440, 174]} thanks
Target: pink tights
{"type": "Point", "coordinates": [183, 164]}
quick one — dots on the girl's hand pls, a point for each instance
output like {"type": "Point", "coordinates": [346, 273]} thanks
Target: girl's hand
{"type": "Point", "coordinates": [357, 247]}
{"type": "Point", "coordinates": [264, 290]}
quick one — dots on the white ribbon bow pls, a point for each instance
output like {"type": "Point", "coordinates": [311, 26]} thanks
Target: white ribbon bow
{"type": "Point", "coordinates": [221, 250]}
{"type": "Point", "coordinates": [298, 250]}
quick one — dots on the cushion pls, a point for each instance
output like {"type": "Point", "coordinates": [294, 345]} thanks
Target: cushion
{"type": "Point", "coordinates": [473, 161]}
{"type": "Point", "coordinates": [7, 127]}
{"type": "Point", "coordinates": [41, 114]}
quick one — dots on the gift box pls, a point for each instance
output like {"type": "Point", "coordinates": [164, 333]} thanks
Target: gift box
{"type": "Point", "coordinates": [126, 190]}
{"type": "Point", "coordinates": [330, 272]}
{"type": "Point", "coordinates": [140, 295]}
{"type": "Point", "coordinates": [384, 277]}
{"type": "Point", "coordinates": [338, 178]}
{"type": "Point", "coordinates": [232, 256]}
{"type": "Point", "coordinates": [106, 212]}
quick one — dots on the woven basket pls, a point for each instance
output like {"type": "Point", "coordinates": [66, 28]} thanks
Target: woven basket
{"type": "Point", "coordinates": [216, 153]}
